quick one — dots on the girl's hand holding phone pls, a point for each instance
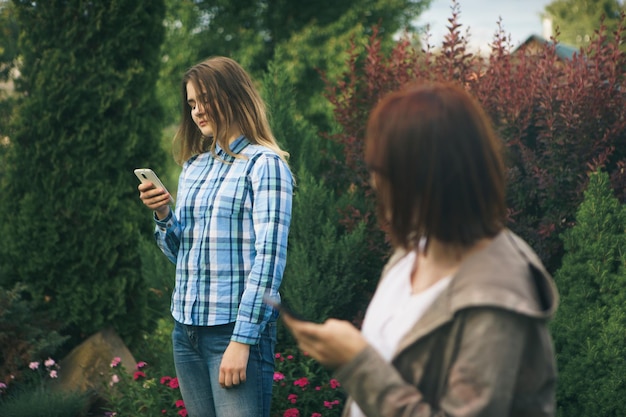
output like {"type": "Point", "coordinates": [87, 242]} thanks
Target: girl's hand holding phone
{"type": "Point", "coordinates": [155, 199]}
{"type": "Point", "coordinates": [153, 193]}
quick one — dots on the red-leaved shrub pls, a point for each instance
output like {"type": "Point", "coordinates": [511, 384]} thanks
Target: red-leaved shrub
{"type": "Point", "coordinates": [559, 118]}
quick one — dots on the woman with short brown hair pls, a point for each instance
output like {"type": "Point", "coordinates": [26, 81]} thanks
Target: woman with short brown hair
{"type": "Point", "coordinates": [458, 323]}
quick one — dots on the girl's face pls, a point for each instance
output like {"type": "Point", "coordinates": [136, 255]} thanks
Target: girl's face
{"type": "Point", "coordinates": [195, 101]}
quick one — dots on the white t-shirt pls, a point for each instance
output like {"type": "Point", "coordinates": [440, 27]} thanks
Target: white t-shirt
{"type": "Point", "coordinates": [394, 310]}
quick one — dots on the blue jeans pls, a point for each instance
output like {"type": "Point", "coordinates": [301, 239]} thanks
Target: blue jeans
{"type": "Point", "coordinates": [198, 353]}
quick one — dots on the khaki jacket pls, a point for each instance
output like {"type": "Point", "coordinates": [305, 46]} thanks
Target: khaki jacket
{"type": "Point", "coordinates": [481, 349]}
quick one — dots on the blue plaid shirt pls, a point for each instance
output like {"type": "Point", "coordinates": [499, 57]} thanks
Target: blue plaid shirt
{"type": "Point", "coordinates": [228, 238]}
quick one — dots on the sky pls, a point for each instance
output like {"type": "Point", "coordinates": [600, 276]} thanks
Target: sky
{"type": "Point", "coordinates": [520, 19]}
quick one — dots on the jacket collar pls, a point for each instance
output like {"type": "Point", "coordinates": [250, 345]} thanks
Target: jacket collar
{"type": "Point", "coordinates": [507, 274]}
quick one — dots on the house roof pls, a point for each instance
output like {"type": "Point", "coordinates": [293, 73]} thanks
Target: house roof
{"type": "Point", "coordinates": [563, 51]}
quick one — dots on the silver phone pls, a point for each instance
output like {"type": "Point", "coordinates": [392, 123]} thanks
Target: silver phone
{"type": "Point", "coordinates": [148, 175]}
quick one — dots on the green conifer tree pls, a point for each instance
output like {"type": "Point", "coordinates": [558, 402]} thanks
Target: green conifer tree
{"type": "Point", "coordinates": [330, 271]}
{"type": "Point", "coordinates": [87, 117]}
{"type": "Point", "coordinates": [589, 326]}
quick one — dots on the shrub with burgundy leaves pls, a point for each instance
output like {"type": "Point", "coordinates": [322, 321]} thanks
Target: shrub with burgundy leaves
{"type": "Point", "coordinates": [559, 118]}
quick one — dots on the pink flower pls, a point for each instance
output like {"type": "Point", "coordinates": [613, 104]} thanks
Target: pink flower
{"type": "Point", "coordinates": [316, 415]}
{"type": "Point", "coordinates": [53, 374]}
{"type": "Point", "coordinates": [116, 361]}
{"type": "Point", "coordinates": [114, 380]}
{"type": "Point", "coordinates": [49, 362]}
{"type": "Point", "coordinates": [165, 379]}
{"type": "Point", "coordinates": [292, 398]}
{"type": "Point", "coordinates": [302, 382]}
{"type": "Point", "coordinates": [277, 356]}
{"type": "Point", "coordinates": [3, 385]}
{"type": "Point", "coordinates": [334, 384]}
{"type": "Point", "coordinates": [163, 411]}
{"type": "Point", "coordinates": [290, 357]}
{"type": "Point", "coordinates": [291, 412]}
{"type": "Point", "coordinates": [141, 364]}
{"type": "Point", "coordinates": [138, 374]}
{"type": "Point", "coordinates": [173, 383]}
{"type": "Point", "coordinates": [183, 412]}
{"type": "Point", "coordinates": [179, 403]}
{"type": "Point", "coordinates": [278, 376]}
{"type": "Point", "coordinates": [318, 388]}
{"type": "Point", "coordinates": [33, 365]}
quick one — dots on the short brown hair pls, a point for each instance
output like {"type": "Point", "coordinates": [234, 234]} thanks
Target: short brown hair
{"type": "Point", "coordinates": [438, 165]}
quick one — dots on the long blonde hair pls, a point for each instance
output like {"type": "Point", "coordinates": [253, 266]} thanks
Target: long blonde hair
{"type": "Point", "coordinates": [229, 98]}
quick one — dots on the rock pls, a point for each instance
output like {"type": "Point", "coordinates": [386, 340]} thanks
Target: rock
{"type": "Point", "coordinates": [88, 364]}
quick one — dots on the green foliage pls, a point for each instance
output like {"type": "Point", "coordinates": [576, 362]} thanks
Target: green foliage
{"type": "Point", "coordinates": [158, 273]}
{"type": "Point", "coordinates": [327, 265]}
{"type": "Point", "coordinates": [156, 348]}
{"type": "Point", "coordinates": [31, 395]}
{"type": "Point", "coordinates": [87, 117]}
{"type": "Point", "coordinates": [589, 326]}
{"type": "Point", "coordinates": [24, 333]}
{"type": "Point", "coordinates": [313, 36]}
{"type": "Point", "coordinates": [294, 132]}
{"type": "Point", "coordinates": [578, 20]}
{"type": "Point", "coordinates": [9, 33]}
{"type": "Point", "coordinates": [44, 404]}
{"type": "Point", "coordinates": [330, 270]}
{"type": "Point", "coordinates": [179, 51]}
{"type": "Point", "coordinates": [302, 387]}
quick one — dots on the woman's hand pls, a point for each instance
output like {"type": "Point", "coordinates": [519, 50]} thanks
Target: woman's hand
{"type": "Point", "coordinates": [155, 199]}
{"type": "Point", "coordinates": [333, 343]}
{"type": "Point", "coordinates": [234, 364]}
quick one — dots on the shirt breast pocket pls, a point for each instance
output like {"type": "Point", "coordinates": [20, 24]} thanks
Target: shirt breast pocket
{"type": "Point", "coordinates": [230, 202]}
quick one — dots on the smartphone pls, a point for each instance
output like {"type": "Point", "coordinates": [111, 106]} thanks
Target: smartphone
{"type": "Point", "coordinates": [148, 175]}
{"type": "Point", "coordinates": [282, 307]}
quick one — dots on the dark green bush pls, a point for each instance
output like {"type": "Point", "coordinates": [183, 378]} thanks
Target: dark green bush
{"type": "Point", "coordinates": [24, 333]}
{"type": "Point", "coordinates": [589, 326]}
{"type": "Point", "coordinates": [330, 270]}
{"type": "Point", "coordinates": [86, 117]}
{"type": "Point", "coordinates": [44, 403]}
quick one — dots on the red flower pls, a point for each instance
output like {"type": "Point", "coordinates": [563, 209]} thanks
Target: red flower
{"type": "Point", "coordinates": [165, 379]}
{"type": "Point", "coordinates": [278, 376]}
{"type": "Point", "coordinates": [183, 413]}
{"type": "Point", "coordinates": [334, 384]}
{"type": "Point", "coordinates": [138, 374]}
{"type": "Point", "coordinates": [292, 398]}
{"type": "Point", "coordinates": [302, 382]}
{"type": "Point", "coordinates": [173, 383]}
{"type": "Point", "coordinates": [180, 403]}
{"type": "Point", "coordinates": [141, 364]}
{"type": "Point", "coordinates": [291, 412]}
